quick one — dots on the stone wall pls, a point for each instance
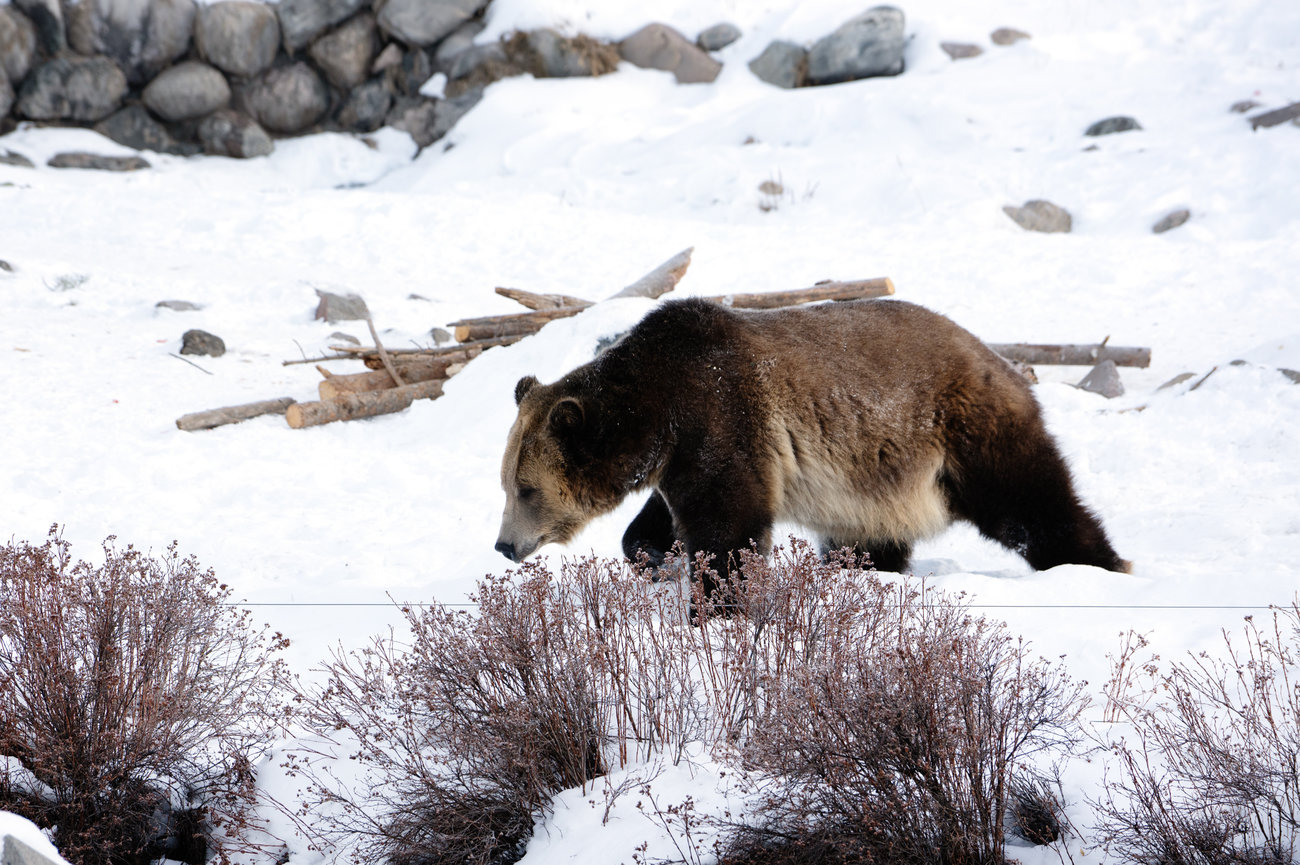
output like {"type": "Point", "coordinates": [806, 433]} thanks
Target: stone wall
{"type": "Point", "coordinates": [227, 78]}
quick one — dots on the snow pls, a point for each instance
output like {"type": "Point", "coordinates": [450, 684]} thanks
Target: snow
{"type": "Point", "coordinates": [581, 186]}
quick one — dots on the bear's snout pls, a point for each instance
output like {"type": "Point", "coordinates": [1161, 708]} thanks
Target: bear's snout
{"type": "Point", "coordinates": [507, 549]}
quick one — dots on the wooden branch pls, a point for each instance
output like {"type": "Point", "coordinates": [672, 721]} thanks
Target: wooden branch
{"type": "Point", "coordinates": [532, 300]}
{"type": "Point", "coordinates": [662, 279]}
{"type": "Point", "coordinates": [413, 372]}
{"type": "Point", "coordinates": [383, 355]}
{"type": "Point", "coordinates": [855, 290]}
{"type": "Point", "coordinates": [1074, 355]}
{"type": "Point", "coordinates": [516, 324]}
{"type": "Point", "coordinates": [232, 414]}
{"type": "Point", "coordinates": [457, 354]}
{"type": "Point", "coordinates": [358, 405]}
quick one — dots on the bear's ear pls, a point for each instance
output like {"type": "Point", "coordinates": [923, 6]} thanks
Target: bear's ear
{"type": "Point", "coordinates": [567, 417]}
{"type": "Point", "coordinates": [523, 386]}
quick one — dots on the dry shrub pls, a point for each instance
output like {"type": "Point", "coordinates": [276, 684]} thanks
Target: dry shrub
{"type": "Point", "coordinates": [1213, 777]}
{"type": "Point", "coordinates": [885, 720]}
{"type": "Point", "coordinates": [889, 722]}
{"type": "Point", "coordinates": [134, 701]}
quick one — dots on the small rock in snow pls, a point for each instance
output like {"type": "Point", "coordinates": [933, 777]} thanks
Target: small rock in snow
{"type": "Point", "coordinates": [1177, 380]}
{"type": "Point", "coordinates": [9, 157]}
{"type": "Point", "coordinates": [97, 162]}
{"type": "Point", "coordinates": [783, 64]}
{"type": "Point", "coordinates": [961, 50]}
{"type": "Point", "coordinates": [658, 46]}
{"type": "Point", "coordinates": [201, 342]}
{"type": "Point", "coordinates": [340, 307]}
{"type": "Point", "coordinates": [1276, 117]}
{"type": "Point", "coordinates": [1007, 36]}
{"type": "Point", "coordinates": [178, 305]}
{"type": "Point", "coordinates": [1039, 215]}
{"type": "Point", "coordinates": [1111, 125]}
{"type": "Point", "coordinates": [1171, 220]}
{"type": "Point", "coordinates": [718, 36]}
{"type": "Point", "coordinates": [1243, 106]}
{"type": "Point", "coordinates": [1103, 379]}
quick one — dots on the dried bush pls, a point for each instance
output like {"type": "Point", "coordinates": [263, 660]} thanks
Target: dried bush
{"type": "Point", "coordinates": [890, 723]}
{"type": "Point", "coordinates": [883, 719]}
{"type": "Point", "coordinates": [1213, 777]}
{"type": "Point", "coordinates": [134, 701]}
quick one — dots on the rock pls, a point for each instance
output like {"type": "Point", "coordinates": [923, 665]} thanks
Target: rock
{"type": "Point", "coordinates": [1171, 220]}
{"type": "Point", "coordinates": [421, 23]}
{"type": "Point", "coordinates": [142, 37]}
{"type": "Point", "coordinates": [1177, 380]}
{"type": "Point", "coordinates": [427, 120]}
{"type": "Point", "coordinates": [230, 133]}
{"type": "Point", "coordinates": [1243, 106]}
{"type": "Point", "coordinates": [784, 64]}
{"type": "Point", "coordinates": [1103, 379]}
{"type": "Point", "coordinates": [868, 45]}
{"type": "Point", "coordinates": [478, 67]}
{"type": "Point", "coordinates": [961, 50]}
{"type": "Point", "coordinates": [345, 54]}
{"type": "Point", "coordinates": [201, 342]}
{"type": "Point", "coordinates": [47, 17]}
{"type": "Point", "coordinates": [97, 162]}
{"type": "Point", "coordinates": [340, 307]}
{"type": "Point", "coordinates": [1038, 215]}
{"type": "Point", "coordinates": [547, 54]}
{"type": "Point", "coordinates": [7, 97]}
{"type": "Point", "coordinates": [409, 74]}
{"type": "Point", "coordinates": [1276, 117]}
{"type": "Point", "coordinates": [1007, 36]}
{"type": "Point", "coordinates": [17, 44]}
{"type": "Point", "coordinates": [460, 41]}
{"type": "Point", "coordinates": [287, 99]}
{"type": "Point", "coordinates": [301, 21]}
{"type": "Point", "coordinates": [1112, 125]}
{"type": "Point", "coordinates": [239, 37]}
{"type": "Point", "coordinates": [366, 107]}
{"type": "Point", "coordinates": [718, 36]}
{"type": "Point", "coordinates": [658, 46]}
{"type": "Point", "coordinates": [72, 88]}
{"type": "Point", "coordinates": [187, 91]}
{"type": "Point", "coordinates": [388, 58]}
{"type": "Point", "coordinates": [136, 128]}
{"type": "Point", "coordinates": [8, 157]}
{"type": "Point", "coordinates": [1293, 375]}
{"type": "Point", "coordinates": [178, 305]}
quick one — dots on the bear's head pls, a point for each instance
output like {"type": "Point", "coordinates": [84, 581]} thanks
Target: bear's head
{"type": "Point", "coordinates": [542, 473]}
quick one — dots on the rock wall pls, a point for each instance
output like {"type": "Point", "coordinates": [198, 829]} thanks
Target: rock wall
{"type": "Point", "coordinates": [226, 78]}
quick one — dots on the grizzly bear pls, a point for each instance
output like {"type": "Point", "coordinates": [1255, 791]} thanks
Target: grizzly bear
{"type": "Point", "coordinates": [873, 423]}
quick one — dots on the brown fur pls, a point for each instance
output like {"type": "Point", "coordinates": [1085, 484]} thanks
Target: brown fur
{"type": "Point", "coordinates": [873, 423]}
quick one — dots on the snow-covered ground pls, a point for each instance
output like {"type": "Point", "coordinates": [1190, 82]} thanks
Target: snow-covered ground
{"type": "Point", "coordinates": [581, 186]}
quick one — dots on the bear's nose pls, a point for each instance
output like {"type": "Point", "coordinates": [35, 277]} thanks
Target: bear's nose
{"type": "Point", "coordinates": [506, 549]}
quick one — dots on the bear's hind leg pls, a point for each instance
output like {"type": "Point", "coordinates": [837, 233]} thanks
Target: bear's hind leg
{"type": "Point", "coordinates": [890, 556]}
{"type": "Point", "coordinates": [651, 533]}
{"type": "Point", "coordinates": [1028, 504]}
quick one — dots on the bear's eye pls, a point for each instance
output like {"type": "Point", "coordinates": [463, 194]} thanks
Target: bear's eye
{"type": "Point", "coordinates": [526, 493]}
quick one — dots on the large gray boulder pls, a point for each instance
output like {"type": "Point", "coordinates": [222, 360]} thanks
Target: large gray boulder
{"type": "Point", "coordinates": [458, 42]}
{"type": "Point", "coordinates": [782, 63]}
{"type": "Point", "coordinates": [366, 107]}
{"type": "Point", "coordinates": [47, 17]}
{"type": "Point", "coordinates": [143, 37]}
{"type": "Point", "coordinates": [187, 91]}
{"type": "Point", "coordinates": [230, 133]}
{"type": "Point", "coordinates": [424, 22]}
{"type": "Point", "coordinates": [72, 88]}
{"type": "Point", "coordinates": [658, 46]}
{"type": "Point", "coordinates": [345, 54]}
{"type": "Point", "coordinates": [17, 44]}
{"type": "Point", "coordinates": [301, 21]}
{"type": "Point", "coordinates": [6, 94]}
{"type": "Point", "coordinates": [287, 99]}
{"type": "Point", "coordinates": [868, 45]}
{"type": "Point", "coordinates": [135, 127]}
{"type": "Point", "coordinates": [240, 37]}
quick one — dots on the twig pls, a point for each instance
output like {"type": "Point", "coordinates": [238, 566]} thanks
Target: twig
{"type": "Point", "coordinates": [191, 363]}
{"type": "Point", "coordinates": [383, 355]}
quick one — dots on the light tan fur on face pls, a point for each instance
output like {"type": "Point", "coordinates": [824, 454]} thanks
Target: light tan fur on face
{"type": "Point", "coordinates": [551, 514]}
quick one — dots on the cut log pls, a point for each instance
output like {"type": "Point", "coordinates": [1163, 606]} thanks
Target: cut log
{"type": "Point", "coordinates": [532, 300]}
{"type": "Point", "coordinates": [1074, 355]}
{"type": "Point", "coordinates": [233, 414]}
{"type": "Point", "coordinates": [516, 324]}
{"type": "Point", "coordinates": [662, 279]}
{"type": "Point", "coordinates": [358, 405]}
{"type": "Point", "coordinates": [413, 372]}
{"type": "Point", "coordinates": [855, 290]}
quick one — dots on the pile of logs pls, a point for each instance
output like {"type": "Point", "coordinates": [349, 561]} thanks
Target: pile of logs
{"type": "Point", "coordinates": [397, 377]}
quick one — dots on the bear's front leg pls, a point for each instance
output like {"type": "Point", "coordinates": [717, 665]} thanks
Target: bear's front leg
{"type": "Point", "coordinates": [651, 533]}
